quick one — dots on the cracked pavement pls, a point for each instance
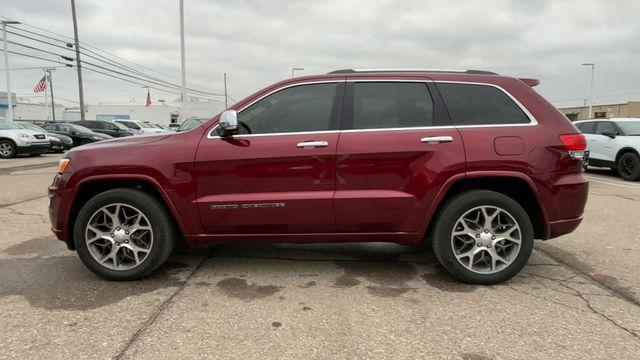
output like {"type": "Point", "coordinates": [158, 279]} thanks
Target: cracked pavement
{"type": "Point", "coordinates": [578, 298]}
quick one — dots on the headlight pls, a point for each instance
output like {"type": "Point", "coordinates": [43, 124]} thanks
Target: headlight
{"type": "Point", "coordinates": [25, 136]}
{"type": "Point", "coordinates": [96, 138]}
{"type": "Point", "coordinates": [63, 164]}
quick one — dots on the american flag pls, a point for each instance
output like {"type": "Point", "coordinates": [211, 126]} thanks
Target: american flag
{"type": "Point", "coordinates": [148, 103]}
{"type": "Point", "coordinates": [41, 85]}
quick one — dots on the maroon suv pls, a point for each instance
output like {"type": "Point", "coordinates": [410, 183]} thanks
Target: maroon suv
{"type": "Point", "coordinates": [474, 164]}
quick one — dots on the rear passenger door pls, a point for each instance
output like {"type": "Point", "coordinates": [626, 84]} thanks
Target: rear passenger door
{"type": "Point", "coordinates": [603, 146]}
{"type": "Point", "coordinates": [396, 150]}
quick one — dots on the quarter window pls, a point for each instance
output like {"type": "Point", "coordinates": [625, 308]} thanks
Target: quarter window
{"type": "Point", "coordinates": [587, 127]}
{"type": "Point", "coordinates": [391, 105]}
{"type": "Point", "coordinates": [480, 105]}
{"type": "Point", "coordinates": [296, 109]}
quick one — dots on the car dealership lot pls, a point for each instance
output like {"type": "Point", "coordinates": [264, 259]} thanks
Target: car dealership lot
{"type": "Point", "coordinates": [579, 297]}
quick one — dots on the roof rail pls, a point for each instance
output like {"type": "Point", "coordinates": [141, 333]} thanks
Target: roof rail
{"type": "Point", "coordinates": [355, 71]}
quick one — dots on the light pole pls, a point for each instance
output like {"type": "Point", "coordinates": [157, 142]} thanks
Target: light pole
{"type": "Point", "coordinates": [593, 67]}
{"type": "Point", "coordinates": [183, 99]}
{"type": "Point", "coordinates": [78, 63]}
{"type": "Point", "coordinates": [6, 65]}
{"type": "Point", "coordinates": [293, 71]}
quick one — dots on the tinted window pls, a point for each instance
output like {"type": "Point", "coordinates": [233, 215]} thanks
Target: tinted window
{"type": "Point", "coordinates": [587, 128]}
{"type": "Point", "coordinates": [480, 105]}
{"type": "Point", "coordinates": [606, 126]}
{"type": "Point", "coordinates": [391, 105]}
{"type": "Point", "coordinates": [296, 109]}
{"type": "Point", "coordinates": [130, 125]}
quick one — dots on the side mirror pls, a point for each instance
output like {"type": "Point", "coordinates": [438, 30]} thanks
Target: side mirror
{"type": "Point", "coordinates": [229, 122]}
{"type": "Point", "coordinates": [610, 134]}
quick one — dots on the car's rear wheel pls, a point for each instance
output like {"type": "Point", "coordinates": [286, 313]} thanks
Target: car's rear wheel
{"type": "Point", "coordinates": [482, 237]}
{"type": "Point", "coordinates": [123, 234]}
{"type": "Point", "coordinates": [7, 149]}
{"type": "Point", "coordinates": [628, 166]}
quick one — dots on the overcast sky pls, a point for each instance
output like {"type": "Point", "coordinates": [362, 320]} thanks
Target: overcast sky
{"type": "Point", "coordinates": [258, 42]}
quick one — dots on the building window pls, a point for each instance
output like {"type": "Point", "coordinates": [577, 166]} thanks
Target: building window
{"type": "Point", "coordinates": [600, 115]}
{"type": "Point", "coordinates": [572, 117]}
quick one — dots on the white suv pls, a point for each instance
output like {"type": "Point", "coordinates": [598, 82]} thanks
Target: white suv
{"type": "Point", "coordinates": [614, 143]}
{"type": "Point", "coordinates": [14, 140]}
{"type": "Point", "coordinates": [140, 127]}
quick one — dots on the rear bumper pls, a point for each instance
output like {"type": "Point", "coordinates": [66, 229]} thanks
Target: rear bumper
{"type": "Point", "coordinates": [562, 227]}
{"type": "Point", "coordinates": [564, 197]}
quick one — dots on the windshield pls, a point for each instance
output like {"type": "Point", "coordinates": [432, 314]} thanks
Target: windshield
{"type": "Point", "coordinates": [8, 125]}
{"type": "Point", "coordinates": [190, 124]}
{"type": "Point", "coordinates": [119, 126]}
{"type": "Point", "coordinates": [31, 127]}
{"type": "Point", "coordinates": [629, 127]}
{"type": "Point", "coordinates": [144, 125]}
{"type": "Point", "coordinates": [80, 129]}
{"type": "Point", "coordinates": [130, 125]}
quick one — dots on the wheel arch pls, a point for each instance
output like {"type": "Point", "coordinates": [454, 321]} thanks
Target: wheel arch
{"type": "Point", "coordinates": [623, 151]}
{"type": "Point", "coordinates": [517, 186]}
{"type": "Point", "coordinates": [90, 187]}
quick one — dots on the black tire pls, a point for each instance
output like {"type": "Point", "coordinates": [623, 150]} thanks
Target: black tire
{"type": "Point", "coordinates": [160, 221]}
{"type": "Point", "coordinates": [11, 149]}
{"type": "Point", "coordinates": [628, 166]}
{"type": "Point", "coordinates": [446, 220]}
{"type": "Point", "coordinates": [85, 142]}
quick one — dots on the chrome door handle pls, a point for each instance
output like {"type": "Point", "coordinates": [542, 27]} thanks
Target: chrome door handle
{"type": "Point", "coordinates": [436, 139]}
{"type": "Point", "coordinates": [313, 144]}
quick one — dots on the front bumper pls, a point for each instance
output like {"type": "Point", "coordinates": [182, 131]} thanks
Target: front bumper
{"type": "Point", "coordinates": [33, 149]}
{"type": "Point", "coordinates": [59, 207]}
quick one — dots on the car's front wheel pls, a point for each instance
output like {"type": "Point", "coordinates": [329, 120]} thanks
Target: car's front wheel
{"type": "Point", "coordinates": [7, 149]}
{"type": "Point", "coordinates": [124, 234]}
{"type": "Point", "coordinates": [628, 166]}
{"type": "Point", "coordinates": [482, 237]}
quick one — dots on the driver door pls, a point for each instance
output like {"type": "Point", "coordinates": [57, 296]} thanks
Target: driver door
{"type": "Point", "coordinates": [277, 176]}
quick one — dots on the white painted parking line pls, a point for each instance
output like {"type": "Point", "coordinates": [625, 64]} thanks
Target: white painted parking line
{"type": "Point", "coordinates": [608, 181]}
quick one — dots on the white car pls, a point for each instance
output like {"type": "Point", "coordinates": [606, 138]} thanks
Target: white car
{"type": "Point", "coordinates": [614, 143]}
{"type": "Point", "coordinates": [140, 127]}
{"type": "Point", "coordinates": [14, 140]}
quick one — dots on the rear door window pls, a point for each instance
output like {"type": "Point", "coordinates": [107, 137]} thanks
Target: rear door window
{"type": "Point", "coordinates": [380, 105]}
{"type": "Point", "coordinates": [470, 104]}
{"type": "Point", "coordinates": [605, 126]}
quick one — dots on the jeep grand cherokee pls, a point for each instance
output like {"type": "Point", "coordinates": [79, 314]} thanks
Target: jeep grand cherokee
{"type": "Point", "coordinates": [475, 164]}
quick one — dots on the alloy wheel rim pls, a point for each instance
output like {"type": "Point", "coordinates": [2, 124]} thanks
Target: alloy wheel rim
{"type": "Point", "coordinates": [486, 239]}
{"type": "Point", "coordinates": [627, 166]}
{"type": "Point", "coordinates": [119, 236]}
{"type": "Point", "coordinates": [5, 149]}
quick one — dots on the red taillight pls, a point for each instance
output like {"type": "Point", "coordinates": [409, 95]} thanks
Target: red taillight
{"type": "Point", "coordinates": [574, 142]}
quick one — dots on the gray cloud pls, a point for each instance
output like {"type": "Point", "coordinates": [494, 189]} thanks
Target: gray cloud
{"type": "Point", "coordinates": [257, 42]}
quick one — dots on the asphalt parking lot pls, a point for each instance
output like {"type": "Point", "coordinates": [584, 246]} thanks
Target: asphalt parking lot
{"type": "Point", "coordinates": [578, 298]}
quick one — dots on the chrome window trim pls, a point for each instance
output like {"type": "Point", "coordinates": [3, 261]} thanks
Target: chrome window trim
{"type": "Point", "coordinates": [337, 81]}
{"type": "Point", "coordinates": [532, 119]}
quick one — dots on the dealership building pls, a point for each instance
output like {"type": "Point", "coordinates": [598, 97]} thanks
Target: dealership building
{"type": "Point", "coordinates": [161, 112]}
{"type": "Point", "coordinates": [629, 109]}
